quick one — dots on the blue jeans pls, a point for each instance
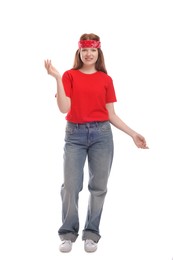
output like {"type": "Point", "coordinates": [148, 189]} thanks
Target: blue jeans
{"type": "Point", "coordinates": [94, 142]}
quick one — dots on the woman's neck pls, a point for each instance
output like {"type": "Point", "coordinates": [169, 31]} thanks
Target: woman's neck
{"type": "Point", "coordinates": [88, 69]}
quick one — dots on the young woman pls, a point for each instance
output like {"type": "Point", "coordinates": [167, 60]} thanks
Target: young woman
{"type": "Point", "coordinates": [86, 93]}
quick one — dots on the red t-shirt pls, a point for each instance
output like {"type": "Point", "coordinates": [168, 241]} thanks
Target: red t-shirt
{"type": "Point", "coordinates": [89, 94]}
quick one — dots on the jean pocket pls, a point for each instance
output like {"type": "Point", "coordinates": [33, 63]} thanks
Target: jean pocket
{"type": "Point", "coordinates": [70, 129]}
{"type": "Point", "coordinates": [105, 127]}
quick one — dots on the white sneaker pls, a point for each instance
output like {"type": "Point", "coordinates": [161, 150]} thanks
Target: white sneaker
{"type": "Point", "coordinates": [66, 246]}
{"type": "Point", "coordinates": [90, 246]}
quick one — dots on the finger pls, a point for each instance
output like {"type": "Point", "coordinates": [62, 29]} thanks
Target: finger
{"type": "Point", "coordinates": [145, 147]}
{"type": "Point", "coordinates": [45, 63]}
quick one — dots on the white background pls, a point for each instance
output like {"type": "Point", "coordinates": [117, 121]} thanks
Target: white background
{"type": "Point", "coordinates": [137, 43]}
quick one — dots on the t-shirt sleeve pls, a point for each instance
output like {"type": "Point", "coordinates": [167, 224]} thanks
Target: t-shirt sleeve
{"type": "Point", "coordinates": [110, 93]}
{"type": "Point", "coordinates": [67, 83]}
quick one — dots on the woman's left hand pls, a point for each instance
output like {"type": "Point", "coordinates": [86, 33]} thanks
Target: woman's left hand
{"type": "Point", "coordinates": [140, 141]}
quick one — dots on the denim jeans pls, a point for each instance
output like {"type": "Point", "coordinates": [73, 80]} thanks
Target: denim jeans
{"type": "Point", "coordinates": [94, 142]}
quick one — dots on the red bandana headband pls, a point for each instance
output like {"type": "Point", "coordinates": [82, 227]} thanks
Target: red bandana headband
{"type": "Point", "coordinates": [89, 44]}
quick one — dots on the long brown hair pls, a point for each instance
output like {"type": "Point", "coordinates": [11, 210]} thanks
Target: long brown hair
{"type": "Point", "coordinates": [100, 63]}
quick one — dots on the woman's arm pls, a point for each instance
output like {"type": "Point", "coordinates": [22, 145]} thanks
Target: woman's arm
{"type": "Point", "coordinates": [138, 139]}
{"type": "Point", "coordinates": [63, 102]}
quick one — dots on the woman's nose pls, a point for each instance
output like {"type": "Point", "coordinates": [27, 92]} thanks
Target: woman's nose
{"type": "Point", "coordinates": [88, 52]}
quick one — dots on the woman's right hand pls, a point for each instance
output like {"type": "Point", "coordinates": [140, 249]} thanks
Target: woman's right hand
{"type": "Point", "coordinates": [51, 70]}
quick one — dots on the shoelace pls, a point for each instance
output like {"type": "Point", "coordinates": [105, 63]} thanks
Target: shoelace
{"type": "Point", "coordinates": [90, 242]}
{"type": "Point", "coordinates": [66, 242]}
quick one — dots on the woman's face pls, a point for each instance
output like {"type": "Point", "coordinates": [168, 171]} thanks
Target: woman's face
{"type": "Point", "coordinates": [89, 56]}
